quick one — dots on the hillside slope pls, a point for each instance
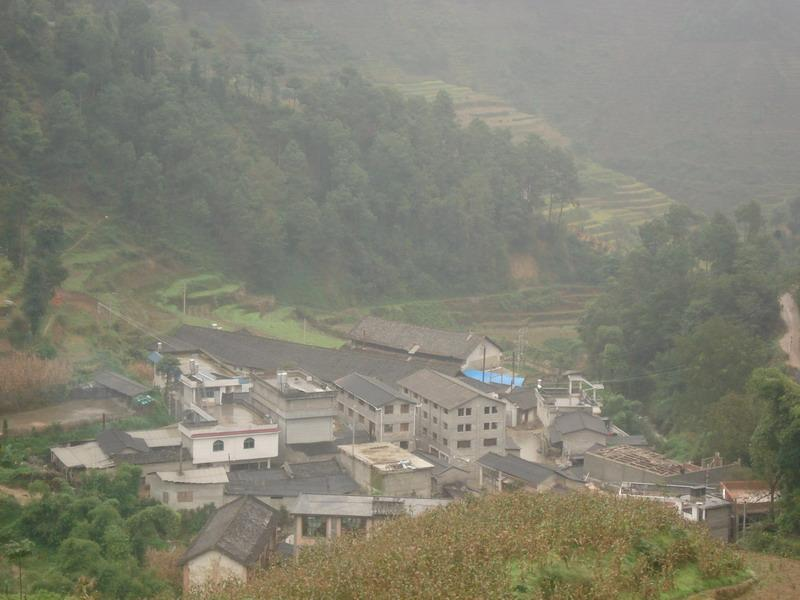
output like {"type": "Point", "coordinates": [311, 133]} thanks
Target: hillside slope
{"type": "Point", "coordinates": [697, 100]}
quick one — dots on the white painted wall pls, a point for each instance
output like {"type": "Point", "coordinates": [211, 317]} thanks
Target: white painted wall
{"type": "Point", "coordinates": [494, 356]}
{"type": "Point", "coordinates": [310, 430]}
{"type": "Point", "coordinates": [266, 446]}
{"type": "Point", "coordinates": [212, 567]}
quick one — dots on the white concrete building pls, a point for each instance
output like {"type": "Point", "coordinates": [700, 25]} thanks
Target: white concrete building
{"type": "Point", "coordinates": [228, 445]}
{"type": "Point", "coordinates": [184, 490]}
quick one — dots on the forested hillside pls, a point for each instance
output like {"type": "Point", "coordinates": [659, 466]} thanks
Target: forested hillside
{"type": "Point", "coordinates": [199, 140]}
{"type": "Point", "coordinates": [697, 100]}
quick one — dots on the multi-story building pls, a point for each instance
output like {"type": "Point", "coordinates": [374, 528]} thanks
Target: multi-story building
{"type": "Point", "coordinates": [303, 406]}
{"type": "Point", "coordinates": [205, 387]}
{"type": "Point", "coordinates": [454, 419]}
{"type": "Point", "coordinates": [384, 412]}
{"type": "Point", "coordinates": [232, 446]}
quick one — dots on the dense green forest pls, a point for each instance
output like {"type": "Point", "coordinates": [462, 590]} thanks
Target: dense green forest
{"type": "Point", "coordinates": [697, 99]}
{"type": "Point", "coordinates": [684, 334]}
{"type": "Point", "coordinates": [205, 144]}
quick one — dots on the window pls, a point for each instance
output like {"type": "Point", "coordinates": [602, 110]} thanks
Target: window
{"type": "Point", "coordinates": [349, 412]}
{"type": "Point", "coordinates": [464, 412]}
{"type": "Point", "coordinates": [434, 405]}
{"type": "Point", "coordinates": [464, 444]}
{"type": "Point", "coordinates": [353, 523]}
{"type": "Point", "coordinates": [165, 497]}
{"type": "Point", "coordinates": [208, 392]}
{"type": "Point", "coordinates": [403, 426]}
{"type": "Point", "coordinates": [313, 526]}
{"type": "Point", "coordinates": [404, 408]}
{"type": "Point", "coordinates": [360, 418]}
{"type": "Point", "coordinates": [490, 442]}
{"type": "Point", "coordinates": [341, 407]}
{"type": "Point", "coordinates": [424, 431]}
{"type": "Point", "coordinates": [435, 436]}
{"type": "Point", "coordinates": [464, 427]}
{"type": "Point", "coordinates": [445, 411]}
{"type": "Point", "coordinates": [444, 442]}
{"type": "Point", "coordinates": [388, 409]}
{"type": "Point", "coordinates": [488, 425]}
{"type": "Point", "coordinates": [185, 496]}
{"type": "Point", "coordinates": [444, 424]}
{"type": "Point", "coordinates": [219, 446]}
{"type": "Point", "coordinates": [404, 445]}
{"type": "Point", "coordinates": [490, 410]}
{"type": "Point", "coordinates": [388, 428]}
{"type": "Point", "coordinates": [424, 414]}
{"type": "Point", "coordinates": [424, 400]}
{"type": "Point", "coordinates": [249, 443]}
{"type": "Point", "coordinates": [435, 420]}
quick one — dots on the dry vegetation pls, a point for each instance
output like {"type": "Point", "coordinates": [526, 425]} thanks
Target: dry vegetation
{"type": "Point", "coordinates": [27, 381]}
{"type": "Point", "coordinates": [512, 545]}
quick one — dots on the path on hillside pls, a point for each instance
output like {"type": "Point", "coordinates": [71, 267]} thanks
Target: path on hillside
{"type": "Point", "coordinates": [790, 342]}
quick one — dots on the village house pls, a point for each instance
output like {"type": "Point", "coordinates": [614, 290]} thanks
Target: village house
{"type": "Point", "coordinates": [184, 490]}
{"type": "Point", "coordinates": [448, 478]}
{"type": "Point", "coordinates": [384, 412]}
{"type": "Point", "coordinates": [626, 463]}
{"type": "Point", "coordinates": [236, 541]}
{"type": "Point", "coordinates": [280, 488]}
{"type": "Point", "coordinates": [455, 419]}
{"type": "Point", "coordinates": [498, 473]}
{"type": "Point", "coordinates": [320, 517]}
{"type": "Point", "coordinates": [107, 384]}
{"type": "Point", "coordinates": [752, 502]}
{"type": "Point", "coordinates": [386, 469]}
{"type": "Point", "coordinates": [205, 387]}
{"type": "Point", "coordinates": [303, 406]}
{"type": "Point", "coordinates": [470, 350]}
{"type": "Point", "coordinates": [694, 503]}
{"type": "Point", "coordinates": [233, 445]}
{"type": "Point", "coordinates": [573, 433]}
{"type": "Point", "coordinates": [245, 354]}
{"type": "Point", "coordinates": [578, 395]}
{"type": "Point", "coordinates": [159, 450]}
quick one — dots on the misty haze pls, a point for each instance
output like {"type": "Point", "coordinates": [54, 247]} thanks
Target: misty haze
{"type": "Point", "coordinates": [399, 299]}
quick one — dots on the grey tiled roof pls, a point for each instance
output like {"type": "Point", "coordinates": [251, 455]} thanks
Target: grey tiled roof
{"type": "Point", "coordinates": [114, 441]}
{"type": "Point", "coordinates": [370, 390]}
{"type": "Point", "coordinates": [524, 398]}
{"type": "Point", "coordinates": [416, 339]}
{"type": "Point", "coordinates": [321, 477]}
{"type": "Point", "coordinates": [120, 384]}
{"type": "Point", "coordinates": [525, 470]}
{"type": "Point", "coordinates": [448, 391]}
{"type": "Point", "coordinates": [239, 529]}
{"type": "Point", "coordinates": [250, 351]}
{"type": "Point", "coordinates": [578, 421]}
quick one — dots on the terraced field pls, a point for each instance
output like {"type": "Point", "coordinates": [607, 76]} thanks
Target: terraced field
{"type": "Point", "coordinates": [611, 206]}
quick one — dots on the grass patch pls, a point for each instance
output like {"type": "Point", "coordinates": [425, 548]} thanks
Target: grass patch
{"type": "Point", "coordinates": [280, 324]}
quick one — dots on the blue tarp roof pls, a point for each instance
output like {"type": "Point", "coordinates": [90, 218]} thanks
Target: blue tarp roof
{"type": "Point", "coordinates": [491, 377]}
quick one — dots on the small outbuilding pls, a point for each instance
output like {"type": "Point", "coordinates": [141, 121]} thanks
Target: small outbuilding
{"type": "Point", "coordinates": [236, 541]}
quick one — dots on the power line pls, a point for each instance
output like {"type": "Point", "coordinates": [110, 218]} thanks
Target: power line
{"type": "Point", "coordinates": [646, 375]}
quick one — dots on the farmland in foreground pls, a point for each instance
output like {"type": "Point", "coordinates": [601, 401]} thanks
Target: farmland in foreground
{"type": "Point", "coordinates": [513, 545]}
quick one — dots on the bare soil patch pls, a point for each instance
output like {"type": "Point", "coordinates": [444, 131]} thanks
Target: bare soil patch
{"type": "Point", "coordinates": [68, 413]}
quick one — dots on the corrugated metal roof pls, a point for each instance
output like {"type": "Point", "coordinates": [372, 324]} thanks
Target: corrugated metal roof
{"type": "Point", "coordinates": [519, 468]}
{"type": "Point", "coordinates": [88, 455]}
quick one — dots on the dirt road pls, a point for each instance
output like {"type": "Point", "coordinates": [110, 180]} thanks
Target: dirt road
{"type": "Point", "coordinates": [790, 342]}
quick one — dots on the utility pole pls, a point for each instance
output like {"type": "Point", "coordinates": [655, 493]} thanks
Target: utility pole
{"type": "Point", "coordinates": [184, 298]}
